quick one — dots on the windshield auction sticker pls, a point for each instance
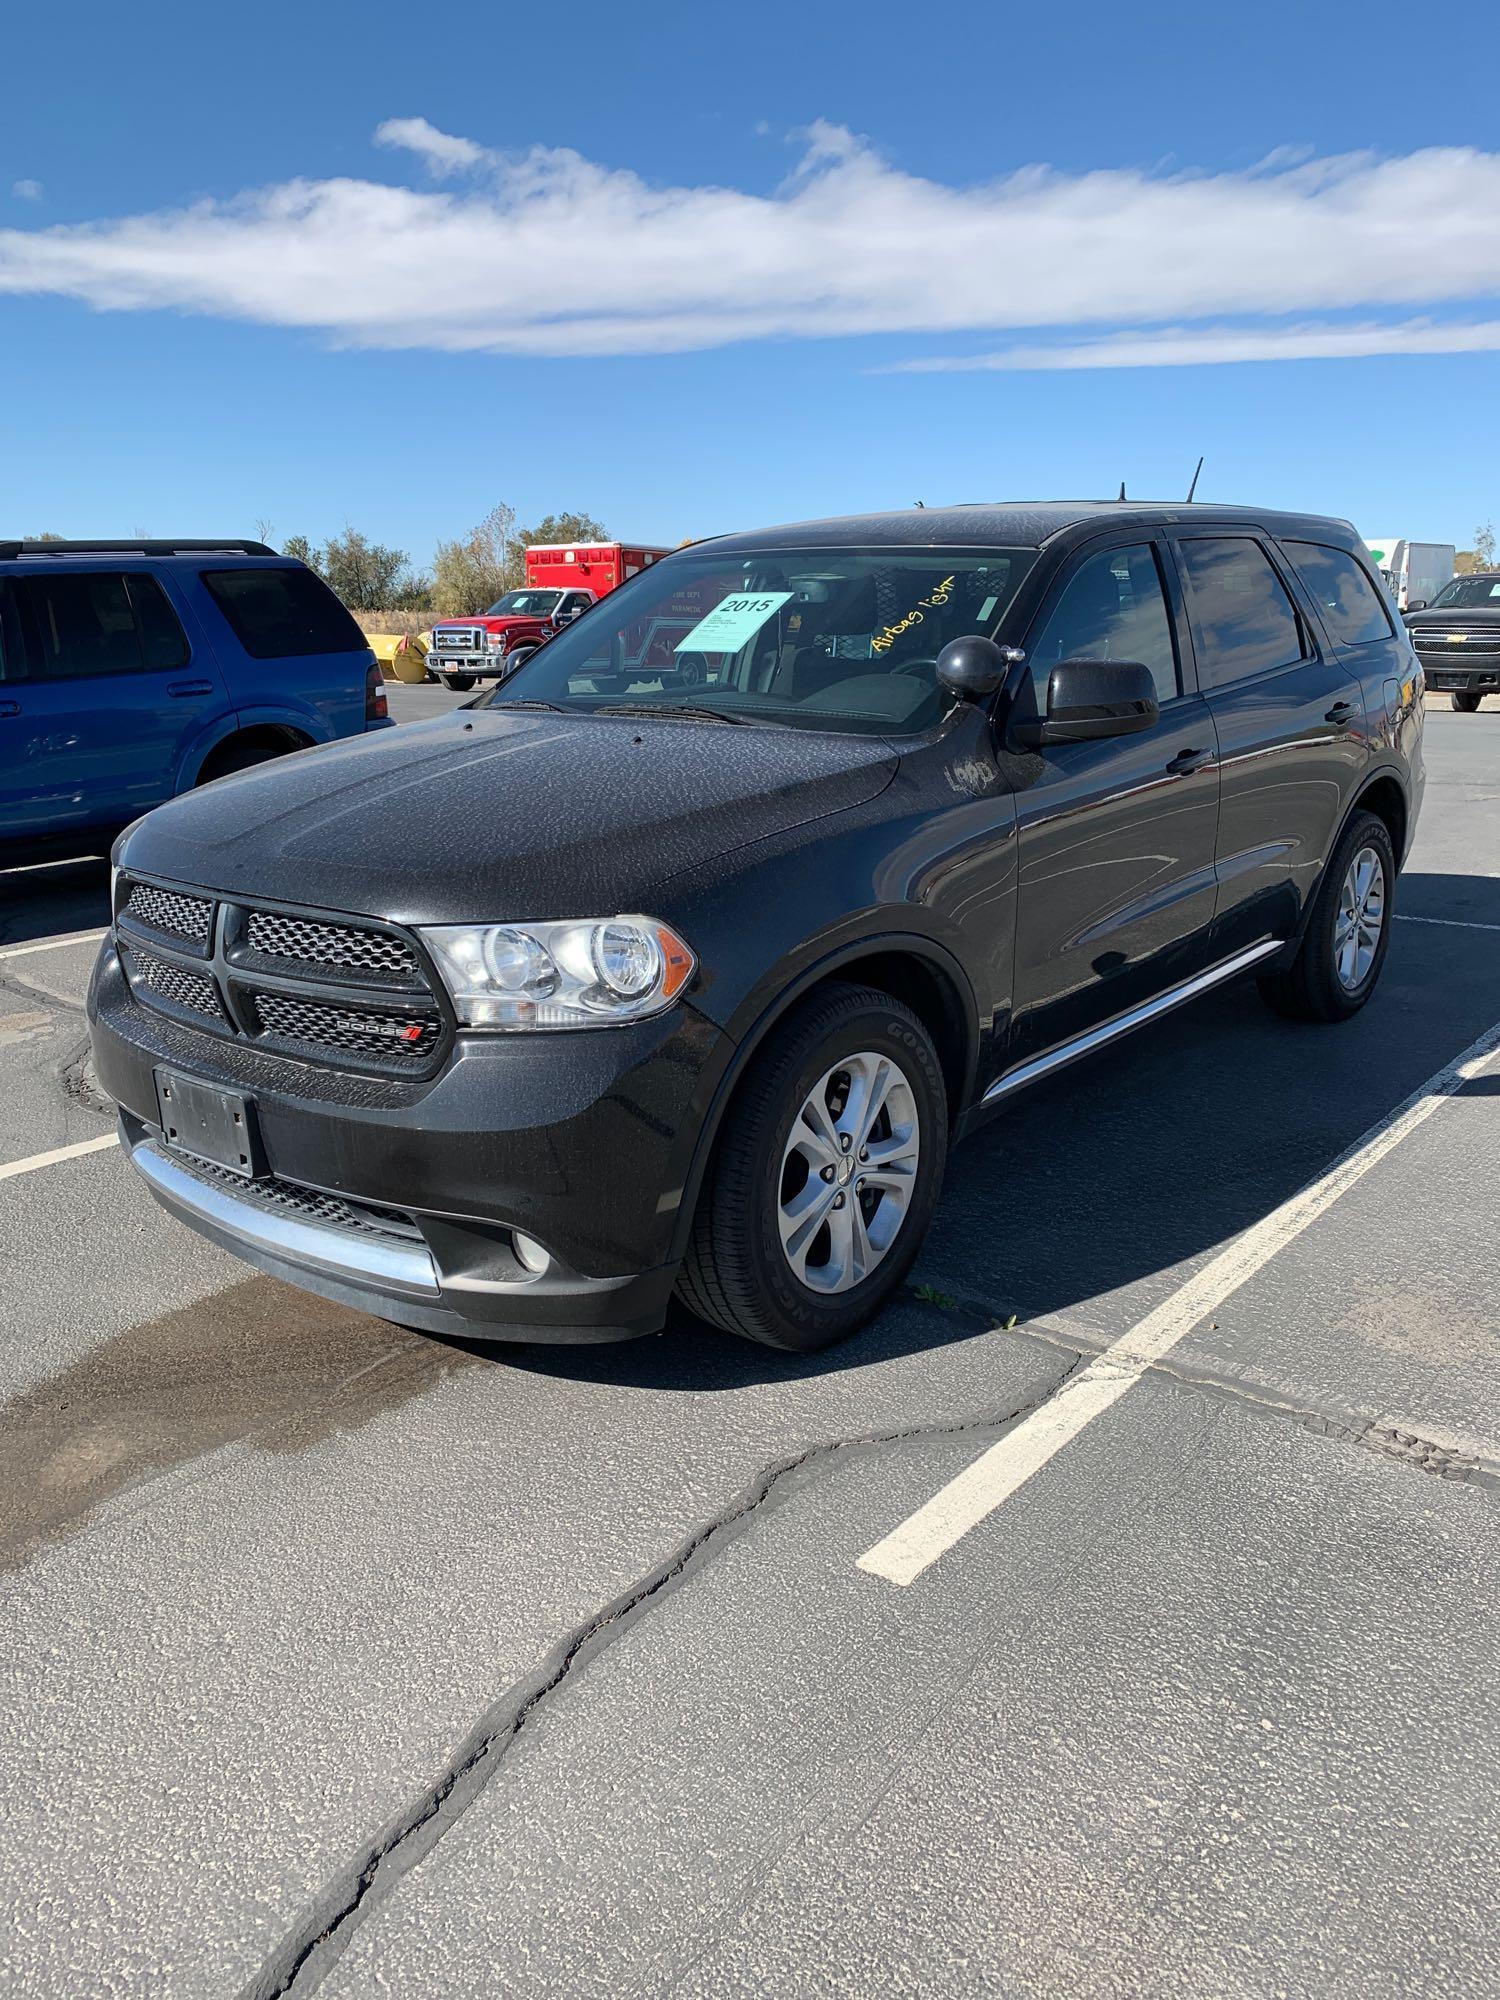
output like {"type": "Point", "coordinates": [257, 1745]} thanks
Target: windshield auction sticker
{"type": "Point", "coordinates": [733, 622]}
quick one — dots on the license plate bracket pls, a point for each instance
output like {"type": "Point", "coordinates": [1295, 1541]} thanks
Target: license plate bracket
{"type": "Point", "coordinates": [209, 1124]}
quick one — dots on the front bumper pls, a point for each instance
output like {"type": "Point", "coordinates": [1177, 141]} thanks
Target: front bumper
{"type": "Point", "coordinates": [585, 1142]}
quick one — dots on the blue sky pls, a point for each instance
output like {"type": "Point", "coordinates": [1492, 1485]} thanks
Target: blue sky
{"type": "Point", "coordinates": [711, 266]}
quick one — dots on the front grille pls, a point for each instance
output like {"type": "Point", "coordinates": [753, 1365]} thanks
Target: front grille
{"type": "Point", "coordinates": [394, 1038]}
{"type": "Point", "coordinates": [333, 1211]}
{"type": "Point", "coordinates": [173, 983]}
{"type": "Point", "coordinates": [457, 639]}
{"type": "Point", "coordinates": [341, 945]}
{"type": "Point", "coordinates": [1474, 646]}
{"type": "Point", "coordinates": [174, 914]}
{"type": "Point", "coordinates": [354, 992]}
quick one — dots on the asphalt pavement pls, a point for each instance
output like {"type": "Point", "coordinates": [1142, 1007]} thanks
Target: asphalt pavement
{"type": "Point", "coordinates": [334, 1657]}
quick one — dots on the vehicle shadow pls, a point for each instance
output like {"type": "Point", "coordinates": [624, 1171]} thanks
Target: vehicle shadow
{"type": "Point", "coordinates": [51, 899]}
{"type": "Point", "coordinates": [1090, 1191]}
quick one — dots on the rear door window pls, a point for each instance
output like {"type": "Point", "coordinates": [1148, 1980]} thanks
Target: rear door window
{"type": "Point", "coordinates": [1244, 623]}
{"type": "Point", "coordinates": [1352, 609]}
{"type": "Point", "coordinates": [282, 614]}
{"type": "Point", "coordinates": [90, 623]}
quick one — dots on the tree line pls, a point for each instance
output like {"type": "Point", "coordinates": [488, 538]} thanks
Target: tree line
{"type": "Point", "coordinates": [467, 573]}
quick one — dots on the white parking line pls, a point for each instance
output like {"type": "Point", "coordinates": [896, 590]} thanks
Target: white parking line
{"type": "Point", "coordinates": [1447, 923]}
{"type": "Point", "coordinates": [901, 1556]}
{"type": "Point", "coordinates": [37, 1160]}
{"type": "Point", "coordinates": [52, 944]}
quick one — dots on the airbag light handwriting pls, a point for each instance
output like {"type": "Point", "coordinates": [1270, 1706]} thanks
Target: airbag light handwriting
{"type": "Point", "coordinates": [883, 641]}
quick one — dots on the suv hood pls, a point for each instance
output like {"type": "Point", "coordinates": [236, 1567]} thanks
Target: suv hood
{"type": "Point", "coordinates": [1462, 618]}
{"type": "Point", "coordinates": [495, 814]}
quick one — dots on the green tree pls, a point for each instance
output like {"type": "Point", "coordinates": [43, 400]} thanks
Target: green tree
{"type": "Point", "coordinates": [300, 549]}
{"type": "Point", "coordinates": [563, 528]}
{"type": "Point", "coordinates": [49, 538]}
{"type": "Point", "coordinates": [471, 572]}
{"type": "Point", "coordinates": [363, 573]}
{"type": "Point", "coordinates": [1484, 545]}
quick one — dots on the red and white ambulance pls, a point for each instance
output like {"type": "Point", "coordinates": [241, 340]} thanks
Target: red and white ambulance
{"type": "Point", "coordinates": [563, 579]}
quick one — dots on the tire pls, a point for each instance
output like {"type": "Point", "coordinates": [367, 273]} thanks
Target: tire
{"type": "Point", "coordinates": [1327, 981]}
{"type": "Point", "coordinates": [1467, 701]}
{"type": "Point", "coordinates": [460, 683]}
{"type": "Point", "coordinates": [737, 1275]}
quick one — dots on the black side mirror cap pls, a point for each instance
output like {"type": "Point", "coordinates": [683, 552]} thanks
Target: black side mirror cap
{"type": "Point", "coordinates": [1091, 699]}
{"type": "Point", "coordinates": [974, 668]}
{"type": "Point", "coordinates": [1417, 604]}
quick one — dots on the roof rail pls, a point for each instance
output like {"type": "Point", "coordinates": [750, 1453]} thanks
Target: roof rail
{"type": "Point", "coordinates": [223, 545]}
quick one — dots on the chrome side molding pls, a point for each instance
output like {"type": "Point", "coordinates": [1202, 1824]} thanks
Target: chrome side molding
{"type": "Point", "coordinates": [337, 1252]}
{"type": "Point", "coordinates": [1123, 1024]}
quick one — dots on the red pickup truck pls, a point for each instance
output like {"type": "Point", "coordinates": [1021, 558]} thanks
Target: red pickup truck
{"type": "Point", "coordinates": [562, 580]}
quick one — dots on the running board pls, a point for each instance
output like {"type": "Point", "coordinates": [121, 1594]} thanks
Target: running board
{"type": "Point", "coordinates": [1123, 1024]}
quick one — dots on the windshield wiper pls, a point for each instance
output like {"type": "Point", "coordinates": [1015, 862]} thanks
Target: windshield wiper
{"type": "Point", "coordinates": [659, 708]}
{"type": "Point", "coordinates": [552, 707]}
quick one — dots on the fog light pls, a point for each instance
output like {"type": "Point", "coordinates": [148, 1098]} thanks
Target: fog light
{"type": "Point", "coordinates": [529, 1253]}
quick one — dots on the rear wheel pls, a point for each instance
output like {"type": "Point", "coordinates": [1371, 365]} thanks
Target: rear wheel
{"type": "Point", "coordinates": [1343, 948]}
{"type": "Point", "coordinates": [244, 756]}
{"type": "Point", "coordinates": [824, 1177]}
{"type": "Point", "coordinates": [1466, 701]}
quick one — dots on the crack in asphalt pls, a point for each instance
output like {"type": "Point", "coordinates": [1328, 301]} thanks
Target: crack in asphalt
{"type": "Point", "coordinates": [311, 1951]}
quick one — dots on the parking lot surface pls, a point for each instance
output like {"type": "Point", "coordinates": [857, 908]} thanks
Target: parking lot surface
{"type": "Point", "coordinates": [339, 1658]}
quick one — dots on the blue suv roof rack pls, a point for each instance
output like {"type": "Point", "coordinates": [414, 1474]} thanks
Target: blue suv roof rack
{"type": "Point", "coordinates": [222, 545]}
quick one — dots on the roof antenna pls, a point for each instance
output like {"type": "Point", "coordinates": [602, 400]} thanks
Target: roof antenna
{"type": "Point", "coordinates": [1194, 487]}
{"type": "Point", "coordinates": [1122, 489]}
{"type": "Point", "coordinates": [919, 503]}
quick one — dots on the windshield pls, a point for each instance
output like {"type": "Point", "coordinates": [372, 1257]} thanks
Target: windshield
{"type": "Point", "coordinates": [840, 639]}
{"type": "Point", "coordinates": [1468, 593]}
{"type": "Point", "coordinates": [525, 603]}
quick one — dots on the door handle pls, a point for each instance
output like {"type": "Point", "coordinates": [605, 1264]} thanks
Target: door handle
{"type": "Point", "coordinates": [182, 688]}
{"type": "Point", "coordinates": [1189, 760]}
{"type": "Point", "coordinates": [1340, 712]}
{"type": "Point", "coordinates": [10, 708]}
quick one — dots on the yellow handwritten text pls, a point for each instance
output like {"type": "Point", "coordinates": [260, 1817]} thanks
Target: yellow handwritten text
{"type": "Point", "coordinates": [883, 641]}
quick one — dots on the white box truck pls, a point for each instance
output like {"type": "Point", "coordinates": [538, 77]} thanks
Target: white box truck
{"type": "Point", "coordinates": [1415, 571]}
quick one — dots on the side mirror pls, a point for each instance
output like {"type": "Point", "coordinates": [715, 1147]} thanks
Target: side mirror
{"type": "Point", "coordinates": [1416, 604]}
{"type": "Point", "coordinates": [1090, 699]}
{"type": "Point", "coordinates": [974, 668]}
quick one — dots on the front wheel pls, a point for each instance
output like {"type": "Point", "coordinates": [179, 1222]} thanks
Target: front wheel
{"type": "Point", "coordinates": [824, 1177]}
{"type": "Point", "coordinates": [460, 683]}
{"type": "Point", "coordinates": [1343, 948]}
{"type": "Point", "coordinates": [1466, 701]}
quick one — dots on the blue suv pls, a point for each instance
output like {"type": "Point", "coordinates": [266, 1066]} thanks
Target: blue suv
{"type": "Point", "coordinates": [131, 671]}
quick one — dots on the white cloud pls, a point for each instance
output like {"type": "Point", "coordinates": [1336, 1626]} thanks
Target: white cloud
{"type": "Point", "coordinates": [26, 190]}
{"type": "Point", "coordinates": [1190, 347]}
{"type": "Point", "coordinates": [547, 252]}
{"type": "Point", "coordinates": [443, 153]}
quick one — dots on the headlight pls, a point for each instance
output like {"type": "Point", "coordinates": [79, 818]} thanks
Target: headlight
{"type": "Point", "coordinates": [566, 975]}
{"type": "Point", "coordinates": [497, 638]}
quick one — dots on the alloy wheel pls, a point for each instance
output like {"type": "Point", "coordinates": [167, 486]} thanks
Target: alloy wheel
{"type": "Point", "coordinates": [1361, 919]}
{"type": "Point", "coordinates": [847, 1172]}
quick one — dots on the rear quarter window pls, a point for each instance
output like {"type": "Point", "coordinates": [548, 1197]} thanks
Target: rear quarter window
{"type": "Point", "coordinates": [281, 614]}
{"type": "Point", "coordinates": [1352, 609]}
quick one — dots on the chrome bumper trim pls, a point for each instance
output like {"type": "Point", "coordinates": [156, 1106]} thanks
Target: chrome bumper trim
{"type": "Point", "coordinates": [341, 1255]}
{"type": "Point", "coordinates": [1109, 1031]}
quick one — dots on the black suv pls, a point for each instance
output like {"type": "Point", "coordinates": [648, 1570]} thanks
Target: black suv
{"type": "Point", "coordinates": [1457, 638]}
{"type": "Point", "coordinates": [677, 962]}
